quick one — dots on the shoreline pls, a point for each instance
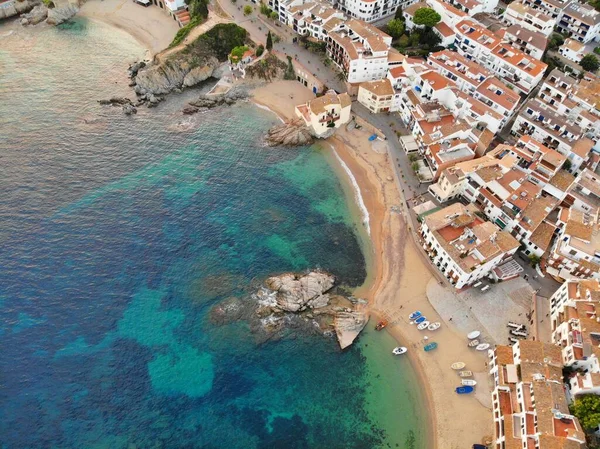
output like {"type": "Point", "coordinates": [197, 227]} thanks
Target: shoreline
{"type": "Point", "coordinates": [398, 278]}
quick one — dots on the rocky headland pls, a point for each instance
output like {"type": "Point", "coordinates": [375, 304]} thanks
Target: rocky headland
{"type": "Point", "coordinates": [297, 301]}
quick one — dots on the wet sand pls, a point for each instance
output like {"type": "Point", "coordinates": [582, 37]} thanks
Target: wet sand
{"type": "Point", "coordinates": [398, 279]}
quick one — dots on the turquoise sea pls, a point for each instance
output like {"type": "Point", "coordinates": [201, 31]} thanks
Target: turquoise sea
{"type": "Point", "coordinates": [119, 235]}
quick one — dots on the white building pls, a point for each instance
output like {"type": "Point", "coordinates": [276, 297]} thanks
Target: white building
{"type": "Point", "coordinates": [529, 403]}
{"type": "Point", "coordinates": [377, 96]}
{"type": "Point", "coordinates": [371, 10]}
{"type": "Point", "coordinates": [518, 13]}
{"type": "Point", "coordinates": [464, 247]}
{"type": "Point", "coordinates": [324, 113]}
{"type": "Point", "coordinates": [553, 8]}
{"type": "Point", "coordinates": [529, 42]}
{"type": "Point", "coordinates": [572, 50]}
{"type": "Point", "coordinates": [581, 21]}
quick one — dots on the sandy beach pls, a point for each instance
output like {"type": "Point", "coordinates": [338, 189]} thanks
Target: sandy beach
{"type": "Point", "coordinates": [152, 27]}
{"type": "Point", "coordinates": [398, 279]}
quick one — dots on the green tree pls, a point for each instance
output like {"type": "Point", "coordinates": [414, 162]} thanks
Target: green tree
{"type": "Point", "coordinates": [398, 14]}
{"type": "Point", "coordinates": [404, 41]}
{"type": "Point", "coordinates": [395, 28]}
{"type": "Point", "coordinates": [589, 63]}
{"type": "Point", "coordinates": [237, 53]}
{"type": "Point", "coordinates": [273, 15]}
{"type": "Point", "coordinates": [247, 10]}
{"type": "Point", "coordinates": [415, 166]}
{"type": "Point", "coordinates": [260, 50]}
{"type": "Point", "coordinates": [587, 409]}
{"type": "Point", "coordinates": [198, 8]}
{"type": "Point", "coordinates": [264, 9]}
{"type": "Point", "coordinates": [556, 40]}
{"type": "Point", "coordinates": [534, 260]}
{"type": "Point", "coordinates": [426, 17]}
{"type": "Point", "coordinates": [415, 38]}
{"type": "Point", "coordinates": [429, 38]}
{"type": "Point", "coordinates": [289, 72]}
{"type": "Point", "coordinates": [269, 41]}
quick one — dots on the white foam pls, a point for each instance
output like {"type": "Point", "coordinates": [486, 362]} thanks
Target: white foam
{"type": "Point", "coordinates": [357, 193]}
{"type": "Point", "coordinates": [266, 108]}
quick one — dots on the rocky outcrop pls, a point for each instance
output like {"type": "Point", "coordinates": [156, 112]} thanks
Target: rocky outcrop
{"type": "Point", "coordinates": [126, 104]}
{"type": "Point", "coordinates": [301, 302]}
{"type": "Point", "coordinates": [212, 101]}
{"type": "Point", "coordinates": [292, 133]}
{"type": "Point", "coordinates": [56, 16]}
{"type": "Point", "coordinates": [13, 8]}
{"type": "Point", "coordinates": [38, 14]}
{"type": "Point", "coordinates": [161, 79]}
{"type": "Point", "coordinates": [294, 293]}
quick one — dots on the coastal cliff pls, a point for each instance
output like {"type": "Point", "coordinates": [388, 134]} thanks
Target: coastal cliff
{"type": "Point", "coordinates": [195, 63]}
{"type": "Point", "coordinates": [299, 301]}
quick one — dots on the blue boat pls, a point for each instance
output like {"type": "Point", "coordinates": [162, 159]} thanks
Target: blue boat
{"type": "Point", "coordinates": [465, 389]}
{"type": "Point", "coordinates": [430, 347]}
{"type": "Point", "coordinates": [416, 314]}
{"type": "Point", "coordinates": [373, 137]}
{"type": "Point", "coordinates": [420, 319]}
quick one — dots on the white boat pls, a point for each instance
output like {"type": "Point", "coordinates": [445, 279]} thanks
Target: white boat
{"type": "Point", "coordinates": [473, 335]}
{"type": "Point", "coordinates": [473, 343]}
{"type": "Point", "coordinates": [482, 346]}
{"type": "Point", "coordinates": [399, 350]}
{"type": "Point", "coordinates": [458, 365]}
{"type": "Point", "coordinates": [434, 326]}
{"type": "Point", "coordinates": [469, 382]}
{"type": "Point", "coordinates": [466, 374]}
{"type": "Point", "coordinates": [423, 325]}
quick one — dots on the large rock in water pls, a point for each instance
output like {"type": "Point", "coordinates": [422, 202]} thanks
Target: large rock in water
{"type": "Point", "coordinates": [160, 79]}
{"type": "Point", "coordinates": [348, 325]}
{"type": "Point", "coordinates": [36, 15]}
{"type": "Point", "coordinates": [10, 9]}
{"type": "Point", "coordinates": [293, 292]}
{"type": "Point", "coordinates": [292, 133]}
{"type": "Point", "coordinates": [56, 16]}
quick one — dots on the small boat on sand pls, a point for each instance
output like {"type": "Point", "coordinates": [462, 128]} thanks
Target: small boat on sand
{"type": "Point", "coordinates": [482, 346]}
{"type": "Point", "coordinates": [466, 374]}
{"type": "Point", "coordinates": [458, 365]}
{"type": "Point", "coordinates": [464, 390]}
{"type": "Point", "coordinates": [420, 319]}
{"type": "Point", "coordinates": [468, 382]}
{"type": "Point", "coordinates": [399, 350]}
{"type": "Point", "coordinates": [473, 335]}
{"type": "Point", "coordinates": [382, 324]}
{"type": "Point", "coordinates": [434, 326]}
{"type": "Point", "coordinates": [423, 325]}
{"type": "Point", "coordinates": [473, 343]}
{"type": "Point", "coordinates": [431, 346]}
{"type": "Point", "coordinates": [416, 314]}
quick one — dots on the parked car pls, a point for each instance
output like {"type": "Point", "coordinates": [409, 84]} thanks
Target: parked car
{"type": "Point", "coordinates": [479, 446]}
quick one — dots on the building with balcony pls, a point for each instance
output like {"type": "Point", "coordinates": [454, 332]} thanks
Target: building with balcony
{"type": "Point", "coordinates": [332, 110]}
{"type": "Point", "coordinates": [377, 96]}
{"type": "Point", "coordinates": [518, 13]}
{"type": "Point", "coordinates": [572, 49]}
{"type": "Point", "coordinates": [529, 401]}
{"type": "Point", "coordinates": [463, 246]}
{"type": "Point", "coordinates": [581, 21]}
{"type": "Point", "coordinates": [371, 10]}
{"type": "Point", "coordinates": [532, 43]}
{"type": "Point", "coordinates": [553, 8]}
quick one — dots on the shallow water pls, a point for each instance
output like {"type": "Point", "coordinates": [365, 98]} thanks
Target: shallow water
{"type": "Point", "coordinates": [119, 234]}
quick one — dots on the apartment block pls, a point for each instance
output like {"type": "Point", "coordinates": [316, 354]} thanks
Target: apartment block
{"type": "Point", "coordinates": [532, 43]}
{"type": "Point", "coordinates": [581, 21]}
{"type": "Point", "coordinates": [529, 401]}
{"type": "Point", "coordinates": [377, 96]}
{"type": "Point", "coordinates": [518, 13]}
{"type": "Point", "coordinates": [463, 246]}
{"type": "Point", "coordinates": [553, 8]}
{"type": "Point", "coordinates": [371, 10]}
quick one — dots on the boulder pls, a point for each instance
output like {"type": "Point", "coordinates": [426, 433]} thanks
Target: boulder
{"type": "Point", "coordinates": [189, 110]}
{"type": "Point", "coordinates": [38, 14]}
{"type": "Point", "coordinates": [56, 16]}
{"type": "Point", "coordinates": [129, 109]}
{"type": "Point", "coordinates": [115, 101]}
{"type": "Point", "coordinates": [348, 324]}
{"type": "Point", "coordinates": [293, 292]}
{"type": "Point", "coordinates": [292, 133]}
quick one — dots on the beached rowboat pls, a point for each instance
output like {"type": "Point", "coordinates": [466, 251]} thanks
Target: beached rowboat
{"type": "Point", "coordinates": [466, 374]}
{"type": "Point", "coordinates": [381, 325]}
{"type": "Point", "coordinates": [420, 319]}
{"type": "Point", "coordinates": [469, 382]}
{"type": "Point", "coordinates": [434, 326]}
{"type": "Point", "coordinates": [464, 390]}
{"type": "Point", "coordinates": [423, 325]}
{"type": "Point", "coordinates": [399, 350]}
{"type": "Point", "coordinates": [473, 335]}
{"type": "Point", "coordinates": [458, 365]}
{"type": "Point", "coordinates": [482, 346]}
{"type": "Point", "coordinates": [431, 346]}
{"type": "Point", "coordinates": [473, 343]}
{"type": "Point", "coordinates": [416, 314]}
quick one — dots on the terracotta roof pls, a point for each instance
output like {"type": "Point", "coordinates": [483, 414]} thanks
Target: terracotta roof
{"type": "Point", "coordinates": [499, 93]}
{"type": "Point", "coordinates": [583, 147]}
{"type": "Point", "coordinates": [577, 226]}
{"type": "Point", "coordinates": [444, 29]}
{"type": "Point", "coordinates": [520, 60]}
{"type": "Point", "coordinates": [542, 236]}
{"type": "Point", "coordinates": [573, 45]}
{"type": "Point", "coordinates": [537, 211]}
{"type": "Point", "coordinates": [379, 87]}
{"type": "Point", "coordinates": [562, 180]}
{"type": "Point", "coordinates": [435, 80]}
{"type": "Point", "coordinates": [318, 105]}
